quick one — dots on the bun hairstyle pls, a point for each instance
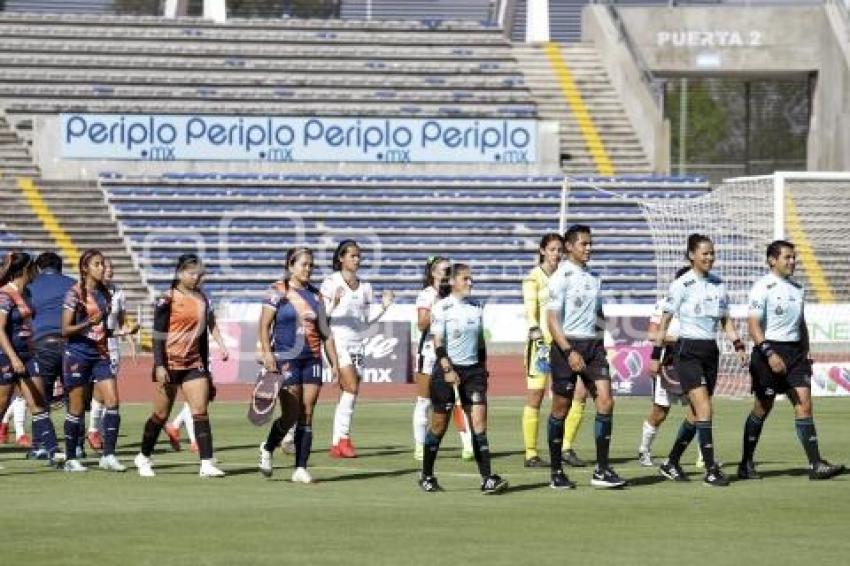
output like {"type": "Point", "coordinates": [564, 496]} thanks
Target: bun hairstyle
{"type": "Point", "coordinates": [83, 267]}
{"type": "Point", "coordinates": [340, 251]}
{"type": "Point", "coordinates": [694, 242]}
{"type": "Point", "coordinates": [14, 265]}
{"type": "Point", "coordinates": [545, 241]}
{"type": "Point", "coordinates": [183, 262]}
{"type": "Point", "coordinates": [428, 277]}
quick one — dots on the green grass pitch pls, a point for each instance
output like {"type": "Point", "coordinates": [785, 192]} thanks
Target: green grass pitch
{"type": "Point", "coordinates": [370, 511]}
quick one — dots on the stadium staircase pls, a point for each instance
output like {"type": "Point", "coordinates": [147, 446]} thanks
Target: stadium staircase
{"type": "Point", "coordinates": [78, 208]}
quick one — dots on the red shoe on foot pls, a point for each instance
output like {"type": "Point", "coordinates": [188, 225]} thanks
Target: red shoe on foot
{"type": "Point", "coordinates": [335, 453]}
{"type": "Point", "coordinates": [4, 433]}
{"type": "Point", "coordinates": [193, 447]}
{"type": "Point", "coordinates": [95, 440]}
{"type": "Point", "coordinates": [346, 449]}
{"type": "Point", "coordinates": [23, 441]}
{"type": "Point", "coordinates": [173, 435]}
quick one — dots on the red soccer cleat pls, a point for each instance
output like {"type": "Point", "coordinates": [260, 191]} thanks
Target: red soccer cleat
{"type": "Point", "coordinates": [23, 441]}
{"type": "Point", "coordinates": [95, 440]}
{"type": "Point", "coordinates": [334, 452]}
{"type": "Point", "coordinates": [346, 449]}
{"type": "Point", "coordinates": [4, 433]}
{"type": "Point", "coordinates": [173, 434]}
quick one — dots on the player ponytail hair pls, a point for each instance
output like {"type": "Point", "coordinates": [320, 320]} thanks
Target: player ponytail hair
{"type": "Point", "coordinates": [694, 241]}
{"type": "Point", "coordinates": [545, 241]}
{"type": "Point", "coordinates": [428, 278]}
{"type": "Point", "coordinates": [83, 267]}
{"type": "Point", "coordinates": [183, 262]}
{"type": "Point", "coordinates": [340, 251]}
{"type": "Point", "coordinates": [774, 249]}
{"type": "Point", "coordinates": [14, 265]}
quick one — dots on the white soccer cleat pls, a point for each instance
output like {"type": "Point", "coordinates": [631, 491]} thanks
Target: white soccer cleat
{"type": "Point", "coordinates": [301, 475]}
{"type": "Point", "coordinates": [208, 470]}
{"type": "Point", "coordinates": [645, 459]}
{"type": "Point", "coordinates": [144, 465]}
{"type": "Point", "coordinates": [265, 465]}
{"type": "Point", "coordinates": [74, 466]}
{"type": "Point", "coordinates": [111, 464]}
{"type": "Point", "coordinates": [288, 442]}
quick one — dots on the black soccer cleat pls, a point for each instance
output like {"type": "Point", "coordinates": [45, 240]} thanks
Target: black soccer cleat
{"type": "Point", "coordinates": [561, 481]}
{"type": "Point", "coordinates": [747, 471]}
{"type": "Point", "coordinates": [536, 462]}
{"type": "Point", "coordinates": [429, 484]}
{"type": "Point", "coordinates": [714, 477]}
{"type": "Point", "coordinates": [673, 472]}
{"type": "Point", "coordinates": [607, 478]}
{"type": "Point", "coordinates": [493, 484]}
{"type": "Point", "coordinates": [823, 470]}
{"type": "Point", "coordinates": [571, 459]}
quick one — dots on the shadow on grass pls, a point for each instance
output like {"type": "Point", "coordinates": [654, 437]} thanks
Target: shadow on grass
{"type": "Point", "coordinates": [371, 475]}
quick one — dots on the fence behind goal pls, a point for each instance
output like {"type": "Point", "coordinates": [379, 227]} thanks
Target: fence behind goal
{"type": "Point", "coordinates": [742, 216]}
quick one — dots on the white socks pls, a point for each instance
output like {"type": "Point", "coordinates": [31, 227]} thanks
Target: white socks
{"type": "Point", "coordinates": [420, 419]}
{"type": "Point", "coordinates": [184, 417]}
{"type": "Point", "coordinates": [19, 416]}
{"type": "Point", "coordinates": [342, 417]}
{"type": "Point", "coordinates": [96, 415]}
{"type": "Point", "coordinates": [647, 437]}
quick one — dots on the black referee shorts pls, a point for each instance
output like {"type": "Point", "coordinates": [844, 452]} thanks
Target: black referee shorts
{"type": "Point", "coordinates": [564, 379]}
{"type": "Point", "coordinates": [472, 387]}
{"type": "Point", "coordinates": [696, 363]}
{"type": "Point", "coordinates": [767, 384]}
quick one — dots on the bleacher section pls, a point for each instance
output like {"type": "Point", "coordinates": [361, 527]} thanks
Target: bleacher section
{"type": "Point", "coordinates": [243, 225]}
{"type": "Point", "coordinates": [472, 10]}
{"type": "Point", "coordinates": [52, 64]}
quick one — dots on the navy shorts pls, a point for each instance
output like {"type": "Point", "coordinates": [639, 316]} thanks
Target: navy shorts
{"type": "Point", "coordinates": [7, 373]}
{"type": "Point", "coordinates": [472, 388]}
{"type": "Point", "coordinates": [180, 376]}
{"type": "Point", "coordinates": [79, 370]}
{"type": "Point", "coordinates": [306, 371]}
{"type": "Point", "coordinates": [696, 363]}
{"type": "Point", "coordinates": [767, 384]}
{"type": "Point", "coordinates": [46, 360]}
{"type": "Point", "coordinates": [595, 357]}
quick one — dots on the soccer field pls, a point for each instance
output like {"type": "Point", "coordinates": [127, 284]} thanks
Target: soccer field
{"type": "Point", "coordinates": [370, 511]}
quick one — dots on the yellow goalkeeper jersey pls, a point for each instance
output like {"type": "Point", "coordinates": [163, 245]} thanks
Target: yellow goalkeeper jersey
{"type": "Point", "coordinates": [535, 295]}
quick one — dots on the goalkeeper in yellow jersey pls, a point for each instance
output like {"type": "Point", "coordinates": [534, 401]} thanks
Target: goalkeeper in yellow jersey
{"type": "Point", "coordinates": [535, 293]}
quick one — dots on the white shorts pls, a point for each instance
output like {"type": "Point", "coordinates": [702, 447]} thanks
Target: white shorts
{"type": "Point", "coordinates": [426, 358]}
{"type": "Point", "coordinates": [349, 351]}
{"type": "Point", "coordinates": [114, 354]}
{"type": "Point", "coordinates": [665, 392]}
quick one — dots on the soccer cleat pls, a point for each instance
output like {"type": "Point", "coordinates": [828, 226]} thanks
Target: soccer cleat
{"type": "Point", "coordinates": [645, 459]}
{"type": "Point", "coordinates": [173, 434]}
{"type": "Point", "coordinates": [23, 441]}
{"type": "Point", "coordinates": [193, 447]}
{"type": "Point", "coordinates": [346, 449]}
{"type": "Point", "coordinates": [607, 478]}
{"type": "Point", "coordinates": [74, 466]}
{"type": "Point", "coordinates": [536, 462]}
{"type": "Point", "coordinates": [419, 452]}
{"type": "Point", "coordinates": [493, 485]}
{"type": "Point", "coordinates": [111, 464]}
{"type": "Point", "coordinates": [334, 452]}
{"type": "Point", "coordinates": [301, 475]}
{"type": "Point", "coordinates": [571, 459]}
{"type": "Point", "coordinates": [561, 481]}
{"type": "Point", "coordinates": [265, 465]}
{"type": "Point", "coordinates": [37, 454]}
{"type": "Point", "coordinates": [747, 471]}
{"type": "Point", "coordinates": [144, 465]}
{"type": "Point", "coordinates": [4, 433]}
{"type": "Point", "coordinates": [429, 484]}
{"type": "Point", "coordinates": [714, 477]}
{"type": "Point", "coordinates": [95, 440]}
{"type": "Point", "coordinates": [208, 470]}
{"type": "Point", "coordinates": [288, 442]}
{"type": "Point", "coordinates": [823, 470]}
{"type": "Point", "coordinates": [673, 472]}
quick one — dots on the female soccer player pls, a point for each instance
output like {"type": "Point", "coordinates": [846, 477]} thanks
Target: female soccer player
{"type": "Point", "coordinates": [436, 270]}
{"type": "Point", "coordinates": [535, 295]}
{"type": "Point", "coordinates": [86, 361]}
{"type": "Point", "coordinates": [116, 328]}
{"type": "Point", "coordinates": [16, 414]}
{"type": "Point", "coordinates": [700, 301]}
{"type": "Point", "coordinates": [183, 319]}
{"type": "Point", "coordinates": [293, 328]}
{"type": "Point", "coordinates": [347, 300]}
{"type": "Point", "coordinates": [15, 355]}
{"type": "Point", "coordinates": [780, 360]}
{"type": "Point", "coordinates": [458, 329]}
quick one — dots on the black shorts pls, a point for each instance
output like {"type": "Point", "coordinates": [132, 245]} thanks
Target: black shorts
{"type": "Point", "coordinates": [472, 388]}
{"type": "Point", "coordinates": [767, 384]}
{"type": "Point", "coordinates": [180, 376]}
{"type": "Point", "coordinates": [595, 357]}
{"type": "Point", "coordinates": [47, 358]}
{"type": "Point", "coordinates": [696, 363]}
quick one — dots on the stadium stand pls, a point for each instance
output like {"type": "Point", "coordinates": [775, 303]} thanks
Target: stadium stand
{"type": "Point", "coordinates": [473, 10]}
{"type": "Point", "coordinates": [243, 225]}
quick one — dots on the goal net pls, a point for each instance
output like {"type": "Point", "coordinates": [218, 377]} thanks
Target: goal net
{"type": "Point", "coordinates": [742, 216]}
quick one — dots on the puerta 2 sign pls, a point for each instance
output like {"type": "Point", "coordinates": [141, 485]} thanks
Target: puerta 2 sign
{"type": "Point", "coordinates": [281, 139]}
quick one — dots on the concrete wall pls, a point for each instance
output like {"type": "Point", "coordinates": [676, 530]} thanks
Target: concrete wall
{"type": "Point", "coordinates": [641, 108]}
{"type": "Point", "coordinates": [47, 153]}
{"type": "Point", "coordinates": [829, 135]}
